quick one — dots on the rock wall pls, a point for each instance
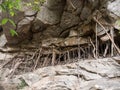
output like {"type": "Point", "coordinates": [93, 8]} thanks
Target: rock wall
{"type": "Point", "coordinates": [84, 75]}
{"type": "Point", "coordinates": [71, 26]}
{"type": "Point", "coordinates": [62, 19]}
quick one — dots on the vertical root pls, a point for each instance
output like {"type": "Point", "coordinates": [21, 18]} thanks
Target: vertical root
{"type": "Point", "coordinates": [53, 57]}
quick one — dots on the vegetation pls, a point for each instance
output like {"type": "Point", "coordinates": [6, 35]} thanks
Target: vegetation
{"type": "Point", "coordinates": [10, 6]}
{"type": "Point", "coordinates": [22, 84]}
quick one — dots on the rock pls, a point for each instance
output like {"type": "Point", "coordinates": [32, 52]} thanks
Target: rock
{"type": "Point", "coordinates": [26, 88]}
{"type": "Point", "coordinates": [74, 6]}
{"type": "Point", "coordinates": [9, 49]}
{"type": "Point", "coordinates": [102, 68]}
{"type": "Point", "coordinates": [53, 31]}
{"type": "Point", "coordinates": [105, 20]}
{"type": "Point", "coordinates": [6, 56]}
{"type": "Point", "coordinates": [113, 7]}
{"type": "Point", "coordinates": [23, 20]}
{"type": "Point", "coordinates": [38, 26]}
{"type": "Point", "coordinates": [70, 41]}
{"type": "Point", "coordinates": [3, 73]}
{"type": "Point", "coordinates": [62, 82]}
{"type": "Point", "coordinates": [8, 26]}
{"type": "Point", "coordinates": [7, 86]}
{"type": "Point", "coordinates": [23, 31]}
{"type": "Point", "coordinates": [73, 41]}
{"type": "Point", "coordinates": [102, 34]}
{"type": "Point", "coordinates": [73, 33]}
{"type": "Point", "coordinates": [102, 84]}
{"type": "Point", "coordinates": [117, 24]}
{"type": "Point", "coordinates": [30, 12]}
{"type": "Point", "coordinates": [51, 41]}
{"type": "Point", "coordinates": [3, 40]}
{"type": "Point", "coordinates": [30, 78]}
{"type": "Point", "coordinates": [82, 75]}
{"type": "Point", "coordinates": [44, 72]}
{"type": "Point", "coordinates": [37, 37]}
{"type": "Point", "coordinates": [85, 30]}
{"type": "Point", "coordinates": [10, 84]}
{"type": "Point", "coordinates": [51, 12]}
{"type": "Point", "coordinates": [69, 20]}
{"type": "Point", "coordinates": [86, 12]}
{"type": "Point", "coordinates": [117, 59]}
{"type": "Point", "coordinates": [1, 87]}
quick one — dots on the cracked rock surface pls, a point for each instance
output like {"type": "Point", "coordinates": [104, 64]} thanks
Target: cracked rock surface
{"type": "Point", "coordinates": [100, 74]}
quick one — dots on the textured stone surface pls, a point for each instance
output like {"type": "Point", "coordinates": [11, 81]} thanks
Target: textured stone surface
{"type": "Point", "coordinates": [57, 18]}
{"type": "Point", "coordinates": [83, 75]}
{"type": "Point", "coordinates": [68, 20]}
{"type": "Point", "coordinates": [114, 7]}
{"type": "Point", "coordinates": [23, 20]}
{"type": "Point", "coordinates": [51, 11]}
{"type": "Point", "coordinates": [3, 40]}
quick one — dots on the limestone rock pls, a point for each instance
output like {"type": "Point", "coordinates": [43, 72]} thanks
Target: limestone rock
{"type": "Point", "coordinates": [53, 31]}
{"type": "Point", "coordinates": [22, 19]}
{"type": "Point", "coordinates": [51, 11]}
{"type": "Point", "coordinates": [51, 41]}
{"type": "Point", "coordinates": [72, 41]}
{"type": "Point", "coordinates": [73, 33]}
{"type": "Point", "coordinates": [38, 26]}
{"type": "Point", "coordinates": [83, 75]}
{"type": "Point", "coordinates": [86, 12]}
{"type": "Point", "coordinates": [57, 83]}
{"type": "Point", "coordinates": [113, 7]}
{"type": "Point", "coordinates": [117, 24]}
{"type": "Point", "coordinates": [3, 40]}
{"type": "Point", "coordinates": [31, 78]}
{"type": "Point", "coordinates": [102, 84]}
{"type": "Point", "coordinates": [6, 56]}
{"type": "Point", "coordinates": [68, 20]}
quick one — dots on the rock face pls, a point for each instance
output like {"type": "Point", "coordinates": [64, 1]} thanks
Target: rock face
{"type": "Point", "coordinates": [64, 24]}
{"type": "Point", "coordinates": [115, 12]}
{"type": "Point", "coordinates": [57, 18]}
{"type": "Point", "coordinates": [3, 40]}
{"type": "Point", "coordinates": [84, 75]}
{"type": "Point", "coordinates": [51, 11]}
{"type": "Point", "coordinates": [23, 20]}
{"type": "Point", "coordinates": [113, 7]}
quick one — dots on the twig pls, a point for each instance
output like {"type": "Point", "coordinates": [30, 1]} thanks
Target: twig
{"type": "Point", "coordinates": [15, 67]}
{"type": "Point", "coordinates": [96, 41]}
{"type": "Point", "coordinates": [68, 55]}
{"type": "Point", "coordinates": [53, 57]}
{"type": "Point", "coordinates": [106, 49]}
{"type": "Point", "coordinates": [93, 48]}
{"type": "Point", "coordinates": [65, 58]}
{"type": "Point", "coordinates": [8, 62]}
{"type": "Point", "coordinates": [37, 59]}
{"type": "Point", "coordinates": [33, 55]}
{"type": "Point", "coordinates": [46, 61]}
{"type": "Point", "coordinates": [70, 2]}
{"type": "Point", "coordinates": [79, 56]}
{"type": "Point", "coordinates": [112, 36]}
{"type": "Point", "coordinates": [107, 35]}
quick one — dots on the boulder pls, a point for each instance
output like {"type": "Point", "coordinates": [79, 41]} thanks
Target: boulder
{"type": "Point", "coordinates": [3, 40]}
{"type": "Point", "coordinates": [69, 20]}
{"type": "Point", "coordinates": [23, 20]}
{"type": "Point", "coordinates": [84, 75]}
{"type": "Point", "coordinates": [51, 11]}
{"type": "Point", "coordinates": [113, 6]}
